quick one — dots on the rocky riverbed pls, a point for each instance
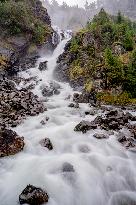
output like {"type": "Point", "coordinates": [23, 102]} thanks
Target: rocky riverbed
{"type": "Point", "coordinates": [66, 148]}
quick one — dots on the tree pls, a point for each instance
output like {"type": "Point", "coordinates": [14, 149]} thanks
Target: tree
{"type": "Point", "coordinates": [130, 81]}
{"type": "Point", "coordinates": [119, 17]}
{"type": "Point", "coordinates": [113, 69]}
{"type": "Point", "coordinates": [128, 41]}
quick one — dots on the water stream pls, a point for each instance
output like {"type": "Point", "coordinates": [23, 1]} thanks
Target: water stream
{"type": "Point", "coordinates": [100, 172]}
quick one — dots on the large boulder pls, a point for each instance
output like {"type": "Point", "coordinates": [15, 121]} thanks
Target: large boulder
{"type": "Point", "coordinates": [67, 167]}
{"type": "Point", "coordinates": [73, 105]}
{"type": "Point", "coordinates": [10, 143]}
{"type": "Point", "coordinates": [43, 66]}
{"type": "Point", "coordinates": [84, 126]}
{"type": "Point", "coordinates": [100, 136]}
{"type": "Point", "coordinates": [52, 89]}
{"type": "Point", "coordinates": [33, 196]}
{"type": "Point", "coordinates": [85, 97]}
{"type": "Point", "coordinates": [46, 143]}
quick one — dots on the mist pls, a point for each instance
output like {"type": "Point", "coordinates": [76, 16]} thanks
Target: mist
{"type": "Point", "coordinates": [67, 16]}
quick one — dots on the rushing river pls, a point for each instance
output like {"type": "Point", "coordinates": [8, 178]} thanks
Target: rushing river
{"type": "Point", "coordinates": [99, 172]}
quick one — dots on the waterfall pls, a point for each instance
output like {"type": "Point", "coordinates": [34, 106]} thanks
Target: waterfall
{"type": "Point", "coordinates": [97, 172]}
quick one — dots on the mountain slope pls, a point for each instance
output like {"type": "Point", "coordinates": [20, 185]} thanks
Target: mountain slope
{"type": "Point", "coordinates": [102, 56]}
{"type": "Point", "coordinates": [22, 23]}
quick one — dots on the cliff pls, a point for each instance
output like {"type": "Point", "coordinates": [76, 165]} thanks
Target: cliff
{"type": "Point", "coordinates": [24, 24]}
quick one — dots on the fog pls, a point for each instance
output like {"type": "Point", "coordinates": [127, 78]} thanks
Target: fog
{"type": "Point", "coordinates": [69, 16]}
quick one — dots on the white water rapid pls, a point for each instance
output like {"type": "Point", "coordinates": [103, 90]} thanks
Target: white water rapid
{"type": "Point", "coordinates": [104, 172]}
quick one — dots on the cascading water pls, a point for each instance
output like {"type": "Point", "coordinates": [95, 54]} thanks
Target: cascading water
{"type": "Point", "coordinates": [97, 173]}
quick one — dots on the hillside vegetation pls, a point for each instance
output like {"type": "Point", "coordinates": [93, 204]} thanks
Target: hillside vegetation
{"type": "Point", "coordinates": [24, 24]}
{"type": "Point", "coordinates": [103, 56]}
{"type": "Point", "coordinates": [20, 16]}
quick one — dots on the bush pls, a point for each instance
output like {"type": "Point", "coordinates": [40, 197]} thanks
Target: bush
{"type": "Point", "coordinates": [109, 99]}
{"type": "Point", "coordinates": [76, 72]}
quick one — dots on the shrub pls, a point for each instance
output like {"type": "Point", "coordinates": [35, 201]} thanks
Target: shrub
{"type": "Point", "coordinates": [109, 99]}
{"type": "Point", "coordinates": [76, 72]}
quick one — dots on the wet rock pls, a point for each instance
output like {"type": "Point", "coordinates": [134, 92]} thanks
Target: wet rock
{"type": "Point", "coordinates": [127, 142]}
{"type": "Point", "coordinates": [113, 125]}
{"type": "Point", "coordinates": [84, 126]}
{"type": "Point", "coordinates": [44, 121]}
{"type": "Point", "coordinates": [33, 196]}
{"type": "Point", "coordinates": [112, 113]}
{"type": "Point", "coordinates": [10, 143]}
{"type": "Point", "coordinates": [73, 105]}
{"type": "Point", "coordinates": [55, 85]}
{"type": "Point", "coordinates": [46, 143]}
{"type": "Point", "coordinates": [52, 89]}
{"type": "Point", "coordinates": [43, 66]}
{"type": "Point", "coordinates": [113, 120]}
{"type": "Point", "coordinates": [67, 167]}
{"type": "Point", "coordinates": [85, 97]}
{"type": "Point", "coordinates": [129, 116]}
{"type": "Point", "coordinates": [100, 136]}
{"type": "Point", "coordinates": [48, 92]}
{"type": "Point", "coordinates": [16, 105]}
{"type": "Point", "coordinates": [84, 149]}
{"type": "Point", "coordinates": [133, 131]}
{"type": "Point", "coordinates": [25, 63]}
{"type": "Point", "coordinates": [91, 112]}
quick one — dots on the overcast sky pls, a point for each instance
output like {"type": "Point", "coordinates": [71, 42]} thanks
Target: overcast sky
{"type": "Point", "coordinates": [73, 2]}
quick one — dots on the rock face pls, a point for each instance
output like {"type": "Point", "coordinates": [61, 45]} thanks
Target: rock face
{"type": "Point", "coordinates": [41, 12]}
{"type": "Point", "coordinates": [10, 143]}
{"type": "Point", "coordinates": [14, 47]}
{"type": "Point", "coordinates": [33, 196]}
{"type": "Point", "coordinates": [17, 104]}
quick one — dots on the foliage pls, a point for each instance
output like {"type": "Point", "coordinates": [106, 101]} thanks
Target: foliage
{"type": "Point", "coordinates": [113, 69]}
{"type": "Point", "coordinates": [130, 78]}
{"type": "Point", "coordinates": [94, 47]}
{"type": "Point", "coordinates": [110, 99]}
{"type": "Point", "coordinates": [88, 85]}
{"type": "Point", "coordinates": [76, 72]}
{"type": "Point", "coordinates": [17, 17]}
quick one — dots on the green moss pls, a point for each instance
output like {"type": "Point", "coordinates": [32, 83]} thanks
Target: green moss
{"type": "Point", "coordinates": [76, 72]}
{"type": "Point", "coordinates": [110, 99]}
{"type": "Point", "coordinates": [88, 85]}
{"type": "Point", "coordinates": [3, 61]}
